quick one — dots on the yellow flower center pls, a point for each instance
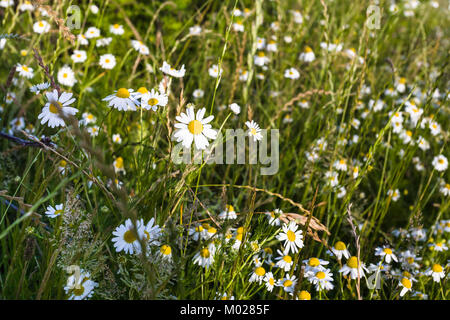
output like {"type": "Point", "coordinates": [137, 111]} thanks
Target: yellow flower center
{"type": "Point", "coordinates": [320, 275]}
{"type": "Point", "coordinates": [261, 54]}
{"type": "Point", "coordinates": [58, 212]}
{"type": "Point", "coordinates": [313, 262]}
{"type": "Point", "coordinates": [119, 162]}
{"type": "Point", "coordinates": [352, 262]}
{"type": "Point", "coordinates": [287, 259]}
{"type": "Point", "coordinates": [142, 90]}
{"type": "Point", "coordinates": [260, 271]}
{"type": "Point", "coordinates": [62, 163]}
{"type": "Point", "coordinates": [308, 49]}
{"type": "Point", "coordinates": [25, 68]}
{"type": "Point", "coordinates": [154, 102]}
{"type": "Point", "coordinates": [340, 246]}
{"type": "Point", "coordinates": [116, 26]}
{"type": "Point", "coordinates": [287, 283]}
{"type": "Point", "coordinates": [290, 235]}
{"type": "Point", "coordinates": [229, 208]}
{"type": "Point", "coordinates": [387, 250]}
{"type": "Point", "coordinates": [129, 237]}
{"type": "Point", "coordinates": [406, 283]}
{"type": "Point", "coordinates": [166, 250]}
{"type": "Point", "coordinates": [195, 127]}
{"type": "Point", "coordinates": [41, 24]}
{"type": "Point", "coordinates": [204, 253]}
{"type": "Point", "coordinates": [123, 93]}
{"type": "Point", "coordinates": [304, 295]}
{"type": "Point", "coordinates": [78, 292]}
{"type": "Point", "coordinates": [437, 268]}
{"type": "Point", "coordinates": [54, 109]}
{"type": "Point", "coordinates": [410, 260]}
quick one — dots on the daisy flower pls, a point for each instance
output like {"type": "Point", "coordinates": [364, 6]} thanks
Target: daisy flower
{"type": "Point", "coordinates": [88, 118]}
{"type": "Point", "coordinates": [82, 40]}
{"type": "Point", "coordinates": [165, 251]}
{"type": "Point", "coordinates": [93, 131]}
{"type": "Point", "coordinates": [386, 253]}
{"type": "Point", "coordinates": [260, 59]}
{"type": "Point", "coordinates": [235, 108]}
{"type": "Point", "coordinates": [118, 165]}
{"type": "Point", "coordinates": [152, 232]}
{"type": "Point", "coordinates": [126, 239]}
{"type": "Point", "coordinates": [406, 286]}
{"type": "Point", "coordinates": [153, 99]}
{"type": "Point", "coordinates": [303, 295]}
{"type": "Point", "coordinates": [228, 213]}
{"type": "Point", "coordinates": [313, 264]}
{"type": "Point", "coordinates": [66, 76]}
{"type": "Point", "coordinates": [288, 283]}
{"type": "Point", "coordinates": [394, 194]}
{"type": "Point", "coordinates": [445, 189]}
{"type": "Point", "coordinates": [167, 69]}
{"type": "Point", "coordinates": [436, 271]}
{"type": "Point", "coordinates": [321, 278]}
{"type": "Point", "coordinates": [81, 288]}
{"type": "Point", "coordinates": [292, 237]}
{"type": "Point", "coordinates": [193, 128]}
{"type": "Point", "coordinates": [54, 212]}
{"type": "Point", "coordinates": [116, 29]}
{"type": "Point", "coordinates": [26, 6]}
{"type": "Point", "coordinates": [341, 165]}
{"type": "Point", "coordinates": [269, 281]}
{"type": "Point", "coordinates": [107, 61]}
{"type": "Point", "coordinates": [92, 32]}
{"type": "Point", "coordinates": [274, 217]}
{"type": "Point", "coordinates": [41, 27]}
{"type": "Point", "coordinates": [205, 256]}
{"type": "Point", "coordinates": [284, 261]}
{"type": "Point", "coordinates": [140, 47]}
{"type": "Point", "coordinates": [56, 105]}
{"type": "Point", "coordinates": [195, 30]}
{"type": "Point", "coordinates": [116, 138]}
{"type": "Point", "coordinates": [254, 130]}
{"type": "Point", "coordinates": [198, 93]}
{"type": "Point", "coordinates": [352, 267]}
{"type": "Point", "coordinates": [291, 73]}
{"type": "Point", "coordinates": [79, 56]}
{"type": "Point", "coordinates": [440, 163]}
{"type": "Point", "coordinates": [40, 87]}
{"type": "Point", "coordinates": [214, 71]}
{"type": "Point", "coordinates": [103, 42]}
{"type": "Point", "coordinates": [257, 275]}
{"type": "Point", "coordinates": [25, 71]}
{"type": "Point", "coordinates": [122, 100]}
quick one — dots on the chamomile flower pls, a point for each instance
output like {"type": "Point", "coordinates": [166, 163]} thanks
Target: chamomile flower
{"type": "Point", "coordinates": [153, 99]}
{"type": "Point", "coordinates": [194, 128]}
{"type": "Point", "coordinates": [400, 85]}
{"type": "Point", "coordinates": [152, 232]}
{"type": "Point", "coordinates": [394, 194]}
{"type": "Point", "coordinates": [116, 29]}
{"type": "Point", "coordinates": [288, 283]}
{"type": "Point", "coordinates": [57, 104]}
{"type": "Point", "coordinates": [122, 100]}
{"type": "Point", "coordinates": [284, 261]}
{"type": "Point", "coordinates": [55, 212]}
{"type": "Point", "coordinates": [303, 295]}
{"type": "Point", "coordinates": [195, 30]}
{"type": "Point", "coordinates": [93, 131]}
{"type": "Point", "coordinates": [82, 40]}
{"type": "Point", "coordinates": [92, 32]}
{"type": "Point", "coordinates": [80, 288]}
{"type": "Point", "coordinates": [313, 264]}
{"type": "Point", "coordinates": [352, 267]}
{"type": "Point", "coordinates": [254, 130]}
{"type": "Point", "coordinates": [205, 257]}
{"type": "Point", "coordinates": [291, 73]}
{"type": "Point", "coordinates": [79, 56]}
{"type": "Point", "coordinates": [406, 285]}
{"type": "Point", "coordinates": [436, 272]}
{"type": "Point", "coordinates": [321, 278]}
{"type": "Point", "coordinates": [41, 27]}
{"type": "Point", "coordinates": [445, 189]}
{"type": "Point", "coordinates": [107, 61]}
{"type": "Point", "coordinates": [238, 26]}
{"type": "Point", "coordinates": [332, 178]}
{"type": "Point", "coordinates": [257, 275]}
{"type": "Point", "coordinates": [274, 217]}
{"type": "Point", "coordinates": [214, 71]}
{"type": "Point", "coordinates": [386, 253]}
{"type": "Point", "coordinates": [440, 163]}
{"type": "Point", "coordinates": [118, 165]}
{"type": "Point", "coordinates": [25, 71]}
{"type": "Point", "coordinates": [438, 246]}
{"type": "Point", "coordinates": [37, 88]}
{"type": "Point", "coordinates": [292, 237]}
{"type": "Point", "coordinates": [66, 76]}
{"type": "Point", "coordinates": [103, 42]}
{"type": "Point", "coordinates": [198, 93]}
{"type": "Point", "coordinates": [228, 213]}
{"type": "Point", "coordinates": [235, 108]}
{"type": "Point", "coordinates": [116, 138]}
{"type": "Point", "coordinates": [260, 59]}
{"type": "Point", "coordinates": [140, 47]}
{"type": "Point", "coordinates": [341, 165]}
{"type": "Point", "coordinates": [26, 6]}
{"type": "Point", "coordinates": [167, 69]}
{"type": "Point", "coordinates": [127, 238]}
{"type": "Point", "coordinates": [270, 281]}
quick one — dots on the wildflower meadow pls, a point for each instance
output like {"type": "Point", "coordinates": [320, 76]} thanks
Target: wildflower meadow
{"type": "Point", "coordinates": [224, 150]}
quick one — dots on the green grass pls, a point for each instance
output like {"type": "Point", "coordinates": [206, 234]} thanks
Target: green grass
{"type": "Point", "coordinates": [36, 250]}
